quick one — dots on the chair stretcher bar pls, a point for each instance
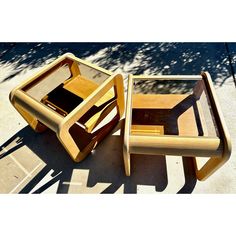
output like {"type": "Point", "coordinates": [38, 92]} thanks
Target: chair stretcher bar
{"type": "Point", "coordinates": [170, 145]}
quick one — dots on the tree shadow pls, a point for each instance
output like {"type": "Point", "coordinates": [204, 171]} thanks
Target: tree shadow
{"type": "Point", "coordinates": [135, 58]}
{"type": "Point", "coordinates": [32, 55]}
{"type": "Point", "coordinates": [104, 165]}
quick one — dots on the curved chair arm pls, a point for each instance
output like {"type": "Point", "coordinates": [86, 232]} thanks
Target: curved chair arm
{"type": "Point", "coordinates": [218, 115]}
{"type": "Point", "coordinates": [93, 121]}
{"type": "Point", "coordinates": [46, 70]}
{"type": "Point", "coordinates": [64, 135]}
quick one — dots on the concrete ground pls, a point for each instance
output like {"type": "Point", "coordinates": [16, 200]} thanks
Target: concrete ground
{"type": "Point", "coordinates": [37, 163]}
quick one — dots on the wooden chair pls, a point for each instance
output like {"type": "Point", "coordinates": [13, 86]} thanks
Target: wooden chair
{"type": "Point", "coordinates": [175, 115]}
{"type": "Point", "coordinates": [73, 98]}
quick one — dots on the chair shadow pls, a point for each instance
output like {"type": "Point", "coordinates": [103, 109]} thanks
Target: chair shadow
{"type": "Point", "coordinates": [189, 174]}
{"type": "Point", "coordinates": [105, 164]}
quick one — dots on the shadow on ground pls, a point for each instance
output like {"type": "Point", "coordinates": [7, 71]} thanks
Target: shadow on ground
{"type": "Point", "coordinates": [103, 165]}
{"type": "Point", "coordinates": [135, 58]}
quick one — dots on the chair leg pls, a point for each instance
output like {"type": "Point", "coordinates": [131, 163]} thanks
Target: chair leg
{"type": "Point", "coordinates": [209, 168]}
{"type": "Point", "coordinates": [31, 120]}
{"type": "Point", "coordinates": [126, 156]}
{"type": "Point", "coordinates": [70, 145]}
{"type": "Point", "coordinates": [67, 141]}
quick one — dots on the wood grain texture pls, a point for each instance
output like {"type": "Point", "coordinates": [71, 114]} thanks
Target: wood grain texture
{"type": "Point", "coordinates": [69, 102]}
{"type": "Point", "coordinates": [176, 124]}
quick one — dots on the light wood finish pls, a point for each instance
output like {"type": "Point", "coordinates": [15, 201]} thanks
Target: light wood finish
{"type": "Point", "coordinates": [75, 121]}
{"type": "Point", "coordinates": [147, 129]}
{"type": "Point", "coordinates": [214, 164]}
{"type": "Point", "coordinates": [157, 101]}
{"type": "Point", "coordinates": [83, 87]}
{"type": "Point", "coordinates": [176, 124]}
{"type": "Point", "coordinates": [174, 112]}
{"type": "Point", "coordinates": [176, 145]}
{"type": "Point", "coordinates": [127, 128]}
{"type": "Point", "coordinates": [80, 86]}
{"type": "Point", "coordinates": [99, 116]}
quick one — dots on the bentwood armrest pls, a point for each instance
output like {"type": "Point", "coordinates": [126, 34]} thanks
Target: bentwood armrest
{"type": "Point", "coordinates": [218, 115]}
{"type": "Point", "coordinates": [45, 115]}
{"type": "Point", "coordinates": [65, 59]}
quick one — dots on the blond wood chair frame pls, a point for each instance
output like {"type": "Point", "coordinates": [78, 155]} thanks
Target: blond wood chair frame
{"type": "Point", "coordinates": [217, 148]}
{"type": "Point", "coordinates": [40, 117]}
